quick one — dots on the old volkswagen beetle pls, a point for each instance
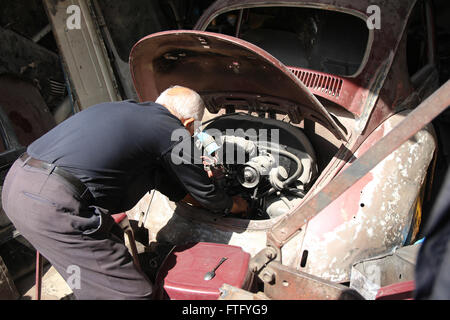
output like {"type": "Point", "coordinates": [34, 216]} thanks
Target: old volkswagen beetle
{"type": "Point", "coordinates": [333, 87]}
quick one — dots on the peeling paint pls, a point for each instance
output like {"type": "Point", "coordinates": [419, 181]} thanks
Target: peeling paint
{"type": "Point", "coordinates": [383, 222]}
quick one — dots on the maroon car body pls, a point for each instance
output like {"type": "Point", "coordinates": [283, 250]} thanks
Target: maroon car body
{"type": "Point", "coordinates": [382, 83]}
{"type": "Point", "coordinates": [343, 115]}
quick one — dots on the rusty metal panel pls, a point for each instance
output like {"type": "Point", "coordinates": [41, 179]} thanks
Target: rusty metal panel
{"type": "Point", "coordinates": [415, 121]}
{"type": "Point", "coordinates": [285, 283]}
{"type": "Point", "coordinates": [375, 214]}
{"type": "Point", "coordinates": [369, 275]}
{"type": "Point", "coordinates": [84, 53]}
{"type": "Point", "coordinates": [228, 292]}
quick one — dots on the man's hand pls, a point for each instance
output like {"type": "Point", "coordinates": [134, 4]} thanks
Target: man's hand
{"type": "Point", "coordinates": [239, 205]}
{"type": "Point", "coordinates": [190, 200]}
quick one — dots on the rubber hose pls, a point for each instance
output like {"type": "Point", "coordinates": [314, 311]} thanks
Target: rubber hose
{"type": "Point", "coordinates": [296, 174]}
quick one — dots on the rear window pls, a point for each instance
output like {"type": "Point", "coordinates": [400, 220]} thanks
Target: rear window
{"type": "Point", "coordinates": [321, 40]}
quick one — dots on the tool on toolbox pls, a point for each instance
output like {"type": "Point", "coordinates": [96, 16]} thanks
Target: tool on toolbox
{"type": "Point", "coordinates": [211, 274]}
{"type": "Point", "coordinates": [182, 274]}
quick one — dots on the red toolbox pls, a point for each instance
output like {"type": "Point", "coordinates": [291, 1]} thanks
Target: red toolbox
{"type": "Point", "coordinates": [181, 276]}
{"type": "Point", "coordinates": [397, 291]}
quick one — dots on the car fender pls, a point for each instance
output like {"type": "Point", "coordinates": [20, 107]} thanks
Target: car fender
{"type": "Point", "coordinates": [373, 216]}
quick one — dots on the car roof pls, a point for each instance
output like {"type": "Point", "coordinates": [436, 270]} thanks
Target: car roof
{"type": "Point", "coordinates": [389, 9]}
{"type": "Point", "coordinates": [383, 42]}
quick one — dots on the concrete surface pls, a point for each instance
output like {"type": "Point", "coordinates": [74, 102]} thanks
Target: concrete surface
{"type": "Point", "coordinates": [53, 286]}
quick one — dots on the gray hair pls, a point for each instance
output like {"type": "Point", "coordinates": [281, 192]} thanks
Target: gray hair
{"type": "Point", "coordinates": [183, 102]}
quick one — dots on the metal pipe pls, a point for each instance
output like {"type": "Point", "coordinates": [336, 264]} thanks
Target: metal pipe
{"type": "Point", "coordinates": [239, 22]}
{"type": "Point", "coordinates": [39, 267]}
{"type": "Point", "coordinates": [297, 172]}
{"type": "Point", "coordinates": [286, 202]}
{"type": "Point", "coordinates": [38, 36]}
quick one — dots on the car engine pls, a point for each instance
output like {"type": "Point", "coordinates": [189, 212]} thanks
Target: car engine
{"type": "Point", "coordinates": [269, 163]}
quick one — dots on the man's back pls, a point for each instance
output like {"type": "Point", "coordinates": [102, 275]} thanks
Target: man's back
{"type": "Point", "coordinates": [112, 148]}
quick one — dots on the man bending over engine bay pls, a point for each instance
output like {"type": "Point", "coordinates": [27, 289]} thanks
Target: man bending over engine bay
{"type": "Point", "coordinates": [61, 193]}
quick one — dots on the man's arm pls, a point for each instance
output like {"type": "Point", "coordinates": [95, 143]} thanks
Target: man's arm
{"type": "Point", "coordinates": [196, 182]}
{"type": "Point", "coordinates": [239, 204]}
{"type": "Point", "coordinates": [169, 185]}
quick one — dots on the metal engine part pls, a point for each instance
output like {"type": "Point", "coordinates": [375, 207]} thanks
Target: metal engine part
{"type": "Point", "coordinates": [272, 176]}
{"type": "Point", "coordinates": [253, 170]}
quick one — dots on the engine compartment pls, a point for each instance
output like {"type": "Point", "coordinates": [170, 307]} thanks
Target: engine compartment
{"type": "Point", "coordinates": [268, 162]}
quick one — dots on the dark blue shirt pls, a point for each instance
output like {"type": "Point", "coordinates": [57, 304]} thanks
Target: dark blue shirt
{"type": "Point", "coordinates": [121, 150]}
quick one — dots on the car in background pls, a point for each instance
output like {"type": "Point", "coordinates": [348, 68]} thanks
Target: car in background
{"type": "Point", "coordinates": [32, 89]}
{"type": "Point", "coordinates": [24, 117]}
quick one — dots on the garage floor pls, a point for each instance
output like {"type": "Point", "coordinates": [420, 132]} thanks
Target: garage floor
{"type": "Point", "coordinates": [53, 286]}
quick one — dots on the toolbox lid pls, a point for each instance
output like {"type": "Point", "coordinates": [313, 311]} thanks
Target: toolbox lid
{"type": "Point", "coordinates": [182, 273]}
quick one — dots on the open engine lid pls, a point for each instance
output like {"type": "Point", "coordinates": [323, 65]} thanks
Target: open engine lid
{"type": "Point", "coordinates": [223, 69]}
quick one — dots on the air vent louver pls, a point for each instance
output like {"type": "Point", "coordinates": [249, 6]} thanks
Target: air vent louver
{"type": "Point", "coordinates": [325, 84]}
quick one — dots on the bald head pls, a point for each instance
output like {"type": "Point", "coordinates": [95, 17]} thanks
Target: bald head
{"type": "Point", "coordinates": [183, 102]}
{"type": "Point", "coordinates": [178, 90]}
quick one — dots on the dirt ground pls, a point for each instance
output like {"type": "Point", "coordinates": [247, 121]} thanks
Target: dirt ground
{"type": "Point", "coordinates": [53, 286]}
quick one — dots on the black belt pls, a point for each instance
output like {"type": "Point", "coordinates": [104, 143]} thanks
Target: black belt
{"type": "Point", "coordinates": [79, 187]}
